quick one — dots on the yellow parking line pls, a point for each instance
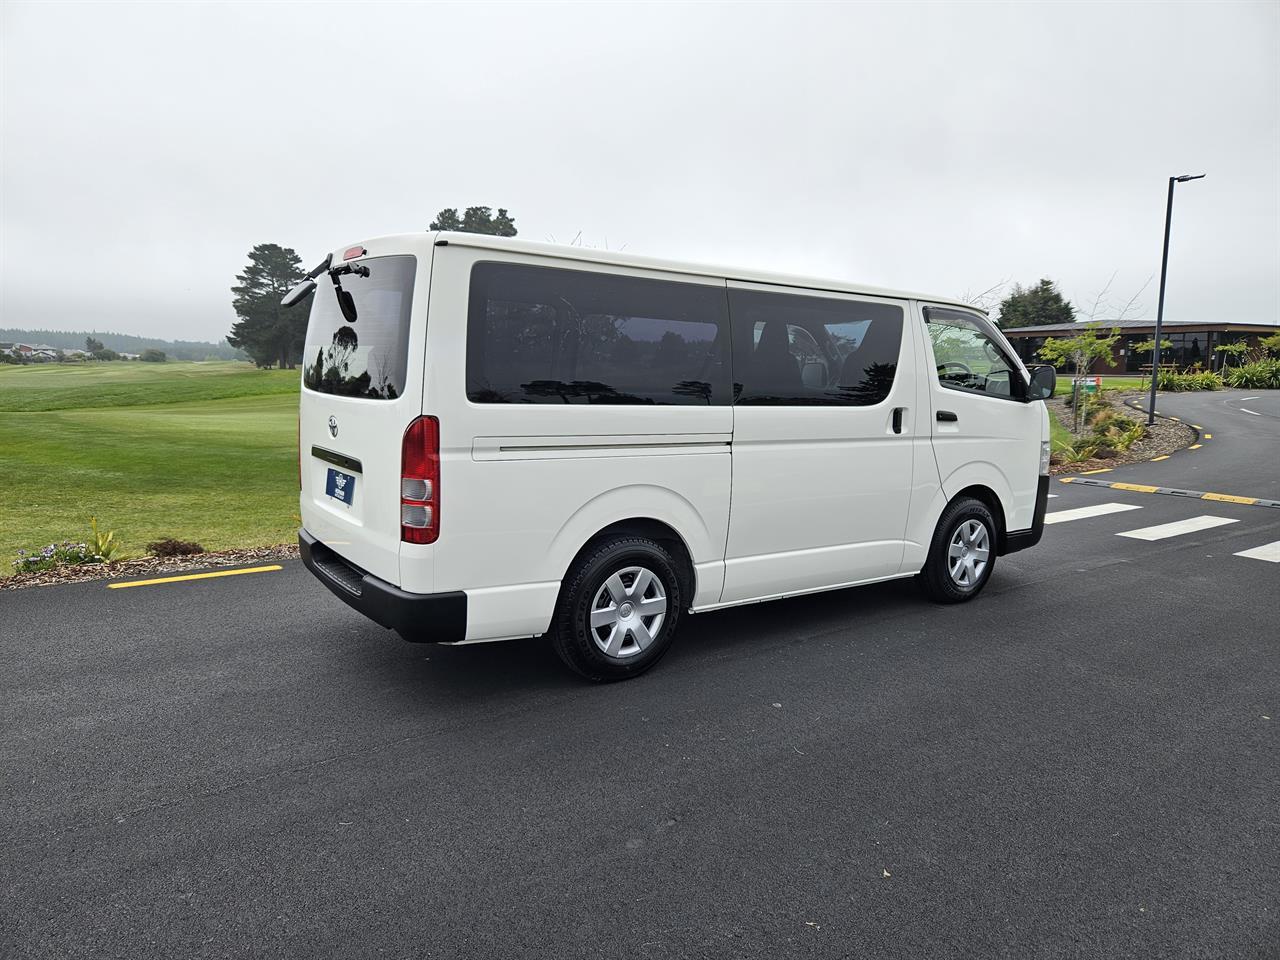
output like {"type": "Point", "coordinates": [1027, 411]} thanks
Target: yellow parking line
{"type": "Point", "coordinates": [194, 576]}
{"type": "Point", "coordinates": [1208, 436]}
{"type": "Point", "coordinates": [1158, 459]}
{"type": "Point", "coordinates": [1227, 498]}
{"type": "Point", "coordinates": [1085, 473]}
{"type": "Point", "coordinates": [1136, 487]}
{"type": "Point", "coordinates": [1195, 446]}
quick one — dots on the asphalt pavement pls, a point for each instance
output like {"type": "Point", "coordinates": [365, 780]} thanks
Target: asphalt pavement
{"type": "Point", "coordinates": [1084, 762]}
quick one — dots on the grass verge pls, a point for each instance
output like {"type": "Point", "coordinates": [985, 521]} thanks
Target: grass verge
{"type": "Point", "coordinates": [216, 469]}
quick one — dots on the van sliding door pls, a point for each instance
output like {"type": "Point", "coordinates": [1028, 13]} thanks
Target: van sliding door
{"type": "Point", "coordinates": [822, 446]}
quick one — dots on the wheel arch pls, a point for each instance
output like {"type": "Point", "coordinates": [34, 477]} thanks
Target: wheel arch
{"type": "Point", "coordinates": [991, 500]}
{"type": "Point", "coordinates": [667, 518]}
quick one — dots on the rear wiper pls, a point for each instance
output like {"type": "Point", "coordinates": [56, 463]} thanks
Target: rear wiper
{"type": "Point", "coordinates": [346, 303]}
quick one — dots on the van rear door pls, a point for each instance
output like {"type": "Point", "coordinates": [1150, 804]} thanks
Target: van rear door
{"type": "Point", "coordinates": [361, 388]}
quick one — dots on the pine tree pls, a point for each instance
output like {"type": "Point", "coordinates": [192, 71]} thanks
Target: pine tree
{"type": "Point", "coordinates": [1035, 306]}
{"type": "Point", "coordinates": [269, 333]}
{"type": "Point", "coordinates": [476, 220]}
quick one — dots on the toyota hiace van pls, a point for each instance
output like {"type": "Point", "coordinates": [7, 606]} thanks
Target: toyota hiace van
{"type": "Point", "coordinates": [503, 439]}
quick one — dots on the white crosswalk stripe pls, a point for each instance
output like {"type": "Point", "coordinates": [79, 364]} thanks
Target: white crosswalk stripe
{"type": "Point", "coordinates": [1269, 552]}
{"type": "Point", "coordinates": [1177, 529]}
{"type": "Point", "coordinates": [1081, 513]}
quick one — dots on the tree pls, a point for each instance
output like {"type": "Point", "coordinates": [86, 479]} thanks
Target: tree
{"type": "Point", "coordinates": [1080, 350]}
{"type": "Point", "coordinates": [151, 355]}
{"type": "Point", "coordinates": [1035, 306]}
{"type": "Point", "coordinates": [1148, 346]}
{"type": "Point", "coordinates": [266, 331]}
{"type": "Point", "coordinates": [476, 220]}
{"type": "Point", "coordinates": [91, 345]}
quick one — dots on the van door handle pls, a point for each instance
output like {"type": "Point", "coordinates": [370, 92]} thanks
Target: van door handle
{"type": "Point", "coordinates": [897, 419]}
{"type": "Point", "coordinates": [946, 416]}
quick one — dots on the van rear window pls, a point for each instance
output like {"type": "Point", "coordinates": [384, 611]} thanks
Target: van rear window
{"type": "Point", "coordinates": [549, 335]}
{"type": "Point", "coordinates": [367, 357]}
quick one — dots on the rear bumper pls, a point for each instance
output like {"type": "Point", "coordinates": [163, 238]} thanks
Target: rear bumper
{"type": "Point", "coordinates": [418, 617]}
{"type": "Point", "coordinates": [1016, 540]}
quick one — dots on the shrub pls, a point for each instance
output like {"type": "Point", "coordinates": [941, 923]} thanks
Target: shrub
{"type": "Point", "coordinates": [1261, 374]}
{"type": "Point", "coordinates": [1078, 450]}
{"type": "Point", "coordinates": [55, 555]}
{"type": "Point", "coordinates": [101, 548]}
{"type": "Point", "coordinates": [1171, 382]}
{"type": "Point", "coordinates": [104, 545]}
{"type": "Point", "coordinates": [173, 548]}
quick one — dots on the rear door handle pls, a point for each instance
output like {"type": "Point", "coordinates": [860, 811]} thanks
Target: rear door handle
{"type": "Point", "coordinates": [946, 416]}
{"type": "Point", "coordinates": [897, 419]}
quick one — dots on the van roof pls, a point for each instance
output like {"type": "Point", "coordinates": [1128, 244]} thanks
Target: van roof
{"type": "Point", "coordinates": [615, 258]}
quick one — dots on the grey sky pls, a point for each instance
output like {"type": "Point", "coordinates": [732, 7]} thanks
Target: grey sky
{"type": "Point", "coordinates": [938, 147]}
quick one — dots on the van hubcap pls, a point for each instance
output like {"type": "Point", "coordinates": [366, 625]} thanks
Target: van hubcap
{"type": "Point", "coordinates": [628, 612]}
{"type": "Point", "coordinates": [969, 553]}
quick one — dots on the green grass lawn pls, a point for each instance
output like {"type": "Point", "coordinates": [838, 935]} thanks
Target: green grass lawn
{"type": "Point", "coordinates": [211, 458]}
{"type": "Point", "coordinates": [1059, 436]}
{"type": "Point", "coordinates": [1108, 383]}
{"type": "Point", "coordinates": [59, 386]}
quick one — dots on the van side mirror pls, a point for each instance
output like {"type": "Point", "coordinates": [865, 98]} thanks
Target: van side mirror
{"type": "Point", "coordinates": [1044, 379]}
{"type": "Point", "coordinates": [299, 292]}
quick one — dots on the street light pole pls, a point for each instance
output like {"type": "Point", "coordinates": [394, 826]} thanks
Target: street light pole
{"type": "Point", "coordinates": [1164, 270]}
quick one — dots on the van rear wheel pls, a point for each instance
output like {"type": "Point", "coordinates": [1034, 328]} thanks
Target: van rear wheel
{"type": "Point", "coordinates": [962, 553]}
{"type": "Point", "coordinates": [618, 609]}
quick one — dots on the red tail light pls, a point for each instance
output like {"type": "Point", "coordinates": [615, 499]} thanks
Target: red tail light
{"type": "Point", "coordinates": [420, 482]}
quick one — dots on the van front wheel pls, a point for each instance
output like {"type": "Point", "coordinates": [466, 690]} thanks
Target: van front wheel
{"type": "Point", "coordinates": [962, 554]}
{"type": "Point", "coordinates": [618, 609]}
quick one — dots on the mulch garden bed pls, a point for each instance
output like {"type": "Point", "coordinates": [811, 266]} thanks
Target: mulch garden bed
{"type": "Point", "coordinates": [150, 566]}
{"type": "Point", "coordinates": [1163, 437]}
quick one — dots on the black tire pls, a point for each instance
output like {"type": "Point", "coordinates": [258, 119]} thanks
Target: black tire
{"type": "Point", "coordinates": [579, 645]}
{"type": "Point", "coordinates": [936, 578]}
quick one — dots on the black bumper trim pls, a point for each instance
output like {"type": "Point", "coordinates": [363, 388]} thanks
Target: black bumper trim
{"type": "Point", "coordinates": [417, 617]}
{"type": "Point", "coordinates": [1016, 540]}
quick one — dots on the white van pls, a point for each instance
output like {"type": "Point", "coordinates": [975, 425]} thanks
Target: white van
{"type": "Point", "coordinates": [503, 439]}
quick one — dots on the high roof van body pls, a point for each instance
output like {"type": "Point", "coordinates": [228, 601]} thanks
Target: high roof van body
{"type": "Point", "coordinates": [504, 439]}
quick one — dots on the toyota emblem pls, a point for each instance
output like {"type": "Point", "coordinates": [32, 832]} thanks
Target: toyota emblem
{"type": "Point", "coordinates": [333, 426]}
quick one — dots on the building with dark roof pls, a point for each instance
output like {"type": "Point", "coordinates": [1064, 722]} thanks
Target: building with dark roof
{"type": "Point", "coordinates": [1193, 342]}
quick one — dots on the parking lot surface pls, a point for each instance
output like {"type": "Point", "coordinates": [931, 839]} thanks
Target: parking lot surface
{"type": "Point", "coordinates": [1084, 762]}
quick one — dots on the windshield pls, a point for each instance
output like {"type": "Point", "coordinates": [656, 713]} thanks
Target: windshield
{"type": "Point", "coordinates": [367, 357]}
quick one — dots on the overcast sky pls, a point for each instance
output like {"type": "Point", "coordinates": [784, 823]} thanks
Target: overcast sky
{"type": "Point", "coordinates": [934, 147]}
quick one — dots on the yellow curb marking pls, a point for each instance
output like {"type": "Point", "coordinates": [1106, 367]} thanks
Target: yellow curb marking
{"type": "Point", "coordinates": [1175, 419]}
{"type": "Point", "coordinates": [1197, 426]}
{"type": "Point", "coordinates": [1136, 487]}
{"type": "Point", "coordinates": [1227, 498]}
{"type": "Point", "coordinates": [1195, 446]}
{"type": "Point", "coordinates": [1158, 459]}
{"type": "Point", "coordinates": [194, 576]}
{"type": "Point", "coordinates": [1085, 473]}
{"type": "Point", "coordinates": [1208, 436]}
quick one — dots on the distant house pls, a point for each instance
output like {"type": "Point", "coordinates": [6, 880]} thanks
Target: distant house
{"type": "Point", "coordinates": [1193, 341]}
{"type": "Point", "coordinates": [6, 346]}
{"type": "Point", "coordinates": [130, 356]}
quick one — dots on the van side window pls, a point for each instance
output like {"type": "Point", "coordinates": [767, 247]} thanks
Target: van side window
{"type": "Point", "coordinates": [548, 335]}
{"type": "Point", "coordinates": [813, 351]}
{"type": "Point", "coordinates": [968, 357]}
